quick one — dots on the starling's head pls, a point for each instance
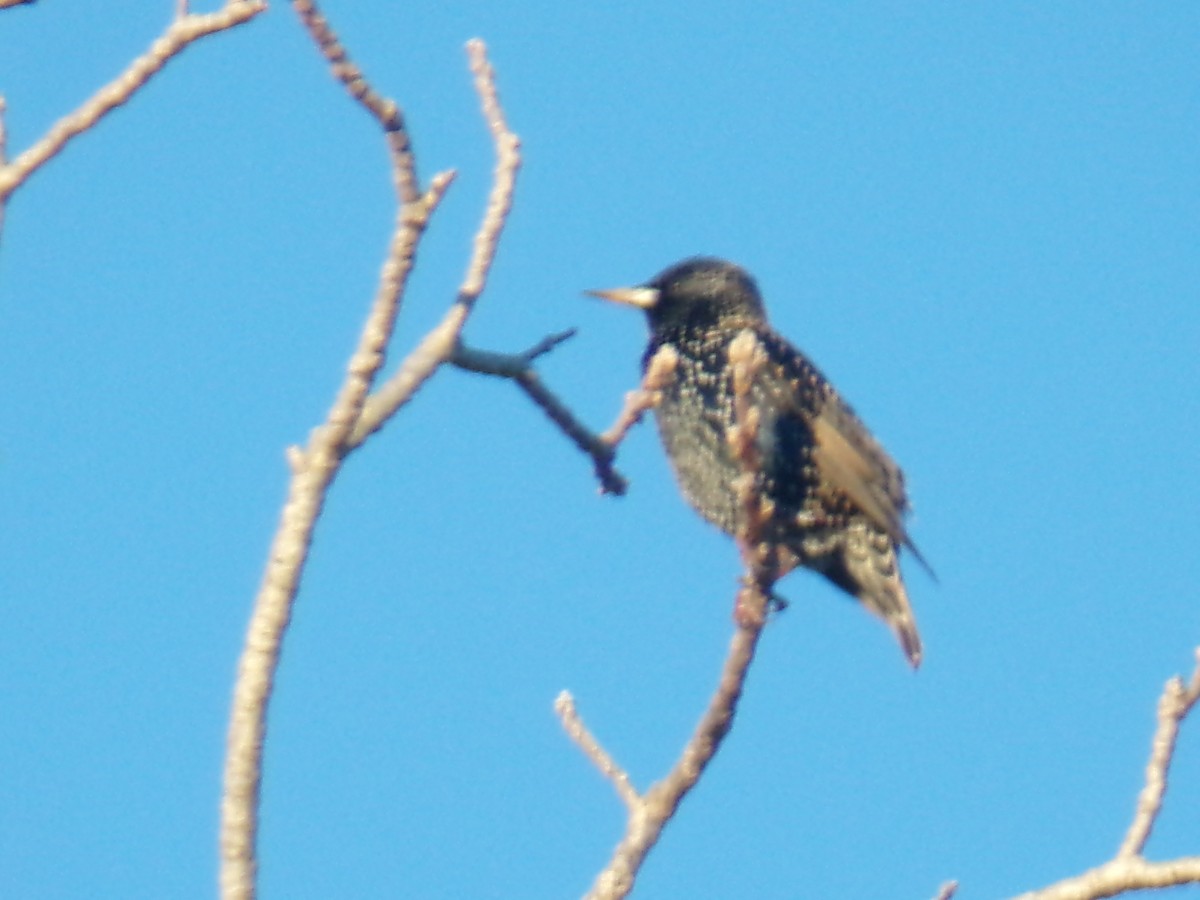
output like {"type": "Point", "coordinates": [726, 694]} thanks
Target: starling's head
{"type": "Point", "coordinates": [701, 292]}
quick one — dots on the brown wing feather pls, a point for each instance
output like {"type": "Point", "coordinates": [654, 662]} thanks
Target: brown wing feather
{"type": "Point", "coordinates": [851, 465]}
{"type": "Point", "coordinates": [849, 459]}
{"type": "Point", "coordinates": [854, 463]}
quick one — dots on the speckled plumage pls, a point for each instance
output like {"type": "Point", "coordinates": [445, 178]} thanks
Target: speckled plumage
{"type": "Point", "coordinates": [839, 499]}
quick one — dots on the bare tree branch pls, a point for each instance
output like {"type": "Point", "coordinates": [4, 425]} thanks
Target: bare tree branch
{"type": "Point", "coordinates": [313, 470]}
{"type": "Point", "coordinates": [573, 725]}
{"type": "Point", "coordinates": [181, 33]}
{"type": "Point", "coordinates": [1129, 870]}
{"type": "Point", "coordinates": [350, 420]}
{"type": "Point", "coordinates": [506, 365]}
{"type": "Point", "coordinates": [659, 374]}
{"type": "Point", "coordinates": [601, 448]}
{"type": "Point", "coordinates": [1130, 873]}
{"type": "Point", "coordinates": [439, 345]}
{"type": "Point", "coordinates": [653, 809]}
{"type": "Point", "coordinates": [649, 812]}
{"type": "Point", "coordinates": [518, 367]}
{"type": "Point", "coordinates": [384, 110]}
{"type": "Point", "coordinates": [1173, 706]}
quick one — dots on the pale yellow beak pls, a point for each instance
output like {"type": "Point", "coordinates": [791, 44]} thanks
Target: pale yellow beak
{"type": "Point", "coordinates": [641, 297]}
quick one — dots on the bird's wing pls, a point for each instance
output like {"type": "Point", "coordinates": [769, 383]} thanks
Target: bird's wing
{"type": "Point", "coordinates": [847, 457]}
{"type": "Point", "coordinates": [850, 460]}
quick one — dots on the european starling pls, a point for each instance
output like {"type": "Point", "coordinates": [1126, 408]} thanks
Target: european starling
{"type": "Point", "coordinates": [837, 499]}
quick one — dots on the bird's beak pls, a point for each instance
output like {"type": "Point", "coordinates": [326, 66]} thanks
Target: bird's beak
{"type": "Point", "coordinates": [641, 297]}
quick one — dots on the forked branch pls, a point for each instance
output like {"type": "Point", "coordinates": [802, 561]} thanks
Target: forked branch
{"type": "Point", "coordinates": [650, 811]}
{"type": "Point", "coordinates": [1129, 870]}
{"type": "Point", "coordinates": [355, 414]}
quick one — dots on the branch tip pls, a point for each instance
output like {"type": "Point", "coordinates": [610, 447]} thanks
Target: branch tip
{"type": "Point", "coordinates": [548, 343]}
{"type": "Point", "coordinates": [577, 731]}
{"type": "Point", "coordinates": [180, 34]}
{"type": "Point", "coordinates": [518, 367]}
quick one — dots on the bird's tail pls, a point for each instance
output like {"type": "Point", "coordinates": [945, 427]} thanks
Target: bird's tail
{"type": "Point", "coordinates": [868, 569]}
{"type": "Point", "coordinates": [883, 593]}
{"type": "Point", "coordinates": [900, 619]}
{"type": "Point", "coordinates": [861, 560]}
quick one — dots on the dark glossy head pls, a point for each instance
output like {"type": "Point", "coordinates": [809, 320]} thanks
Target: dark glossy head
{"type": "Point", "coordinates": [701, 292]}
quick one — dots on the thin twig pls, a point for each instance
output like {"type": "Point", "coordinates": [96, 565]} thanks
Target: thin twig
{"type": "Point", "coordinates": [660, 371]}
{"type": "Point", "coordinates": [573, 725]}
{"type": "Point", "coordinates": [601, 448]}
{"type": "Point", "coordinates": [1173, 706]}
{"type": "Point", "coordinates": [518, 367]}
{"type": "Point", "coordinates": [181, 33]}
{"type": "Point", "coordinates": [504, 176]}
{"type": "Point", "coordinates": [439, 345]}
{"type": "Point", "coordinates": [385, 110]}
{"type": "Point", "coordinates": [1129, 870]}
{"type": "Point", "coordinates": [506, 365]}
{"type": "Point", "coordinates": [603, 455]}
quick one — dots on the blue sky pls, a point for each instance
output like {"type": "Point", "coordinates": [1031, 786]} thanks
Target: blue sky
{"type": "Point", "coordinates": [980, 220]}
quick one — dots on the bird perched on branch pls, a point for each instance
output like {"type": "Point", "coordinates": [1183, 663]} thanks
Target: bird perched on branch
{"type": "Point", "coordinates": [835, 500]}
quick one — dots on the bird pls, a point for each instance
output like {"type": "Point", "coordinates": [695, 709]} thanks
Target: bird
{"type": "Point", "coordinates": [836, 499]}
